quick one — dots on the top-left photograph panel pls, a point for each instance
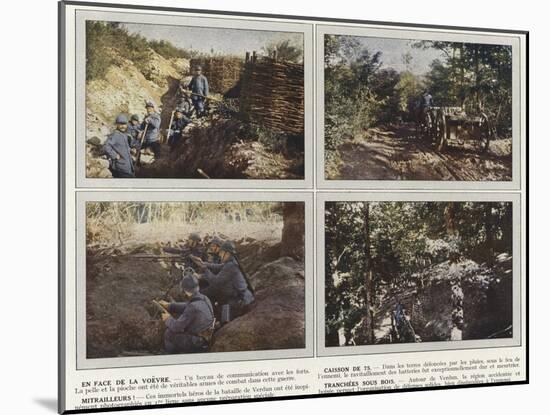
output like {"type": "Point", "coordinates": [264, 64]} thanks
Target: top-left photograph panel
{"type": "Point", "coordinates": [187, 100]}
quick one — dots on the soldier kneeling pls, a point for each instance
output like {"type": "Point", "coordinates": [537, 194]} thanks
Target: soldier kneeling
{"type": "Point", "coordinates": [191, 331]}
{"type": "Point", "coordinates": [227, 285]}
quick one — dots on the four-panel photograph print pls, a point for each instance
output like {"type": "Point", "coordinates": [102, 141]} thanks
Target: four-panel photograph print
{"type": "Point", "coordinates": [278, 188]}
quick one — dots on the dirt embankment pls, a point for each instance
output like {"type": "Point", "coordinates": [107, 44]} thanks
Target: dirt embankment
{"type": "Point", "coordinates": [120, 320]}
{"type": "Point", "coordinates": [125, 89]}
{"type": "Point", "coordinates": [223, 148]}
{"type": "Point", "coordinates": [396, 154]}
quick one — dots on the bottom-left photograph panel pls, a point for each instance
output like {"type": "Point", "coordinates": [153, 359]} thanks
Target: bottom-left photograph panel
{"type": "Point", "coordinates": [168, 281]}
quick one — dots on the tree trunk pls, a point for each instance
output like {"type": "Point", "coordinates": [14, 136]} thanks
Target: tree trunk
{"type": "Point", "coordinates": [450, 219]}
{"type": "Point", "coordinates": [489, 234]}
{"type": "Point", "coordinates": [477, 77]}
{"type": "Point", "coordinates": [293, 239]}
{"type": "Point", "coordinates": [369, 320]}
{"type": "Point", "coordinates": [457, 296]}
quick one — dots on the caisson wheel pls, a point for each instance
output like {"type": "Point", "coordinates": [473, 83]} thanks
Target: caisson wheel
{"type": "Point", "coordinates": [485, 133]}
{"type": "Point", "coordinates": [441, 132]}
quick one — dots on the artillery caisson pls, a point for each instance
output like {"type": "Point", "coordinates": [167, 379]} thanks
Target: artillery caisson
{"type": "Point", "coordinates": [444, 126]}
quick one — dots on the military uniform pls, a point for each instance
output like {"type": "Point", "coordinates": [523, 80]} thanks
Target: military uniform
{"type": "Point", "coordinates": [213, 258]}
{"type": "Point", "coordinates": [117, 148]}
{"type": "Point", "coordinates": [134, 130]}
{"type": "Point", "coordinates": [186, 252]}
{"type": "Point", "coordinates": [183, 334]}
{"type": "Point", "coordinates": [152, 135]}
{"type": "Point", "coordinates": [176, 130]}
{"type": "Point", "coordinates": [199, 85]}
{"type": "Point", "coordinates": [227, 285]}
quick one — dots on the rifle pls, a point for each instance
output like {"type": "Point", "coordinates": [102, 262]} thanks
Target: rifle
{"type": "Point", "coordinates": [171, 258]}
{"type": "Point", "coordinates": [206, 97]}
{"type": "Point", "coordinates": [250, 287]}
{"type": "Point", "coordinates": [138, 159]}
{"type": "Point", "coordinates": [216, 100]}
{"type": "Point", "coordinates": [170, 127]}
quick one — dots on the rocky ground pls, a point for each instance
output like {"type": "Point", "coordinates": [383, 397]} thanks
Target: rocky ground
{"type": "Point", "coordinates": [120, 320]}
{"type": "Point", "coordinates": [396, 154]}
{"type": "Point", "coordinates": [487, 303]}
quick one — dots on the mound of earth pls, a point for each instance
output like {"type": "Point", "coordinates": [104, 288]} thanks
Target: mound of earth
{"type": "Point", "coordinates": [487, 302]}
{"type": "Point", "coordinates": [277, 320]}
{"type": "Point", "coordinates": [223, 148]}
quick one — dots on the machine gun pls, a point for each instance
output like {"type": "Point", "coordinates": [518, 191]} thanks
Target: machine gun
{"type": "Point", "coordinates": [159, 306]}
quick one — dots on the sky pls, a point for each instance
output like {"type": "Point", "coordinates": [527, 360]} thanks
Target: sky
{"type": "Point", "coordinates": [227, 41]}
{"type": "Point", "coordinates": [394, 49]}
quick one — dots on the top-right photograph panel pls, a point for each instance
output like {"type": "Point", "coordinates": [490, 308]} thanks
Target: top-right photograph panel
{"type": "Point", "coordinates": [416, 107]}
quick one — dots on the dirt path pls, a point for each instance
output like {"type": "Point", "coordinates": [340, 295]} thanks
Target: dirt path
{"type": "Point", "coordinates": [396, 154]}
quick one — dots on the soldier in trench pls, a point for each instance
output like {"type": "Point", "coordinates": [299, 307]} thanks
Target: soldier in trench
{"type": "Point", "coordinates": [191, 329]}
{"type": "Point", "coordinates": [199, 91]}
{"type": "Point", "coordinates": [227, 285]}
{"type": "Point", "coordinates": [118, 147]}
{"type": "Point", "coordinates": [150, 127]}
{"type": "Point", "coordinates": [178, 125]}
{"type": "Point", "coordinates": [134, 127]}
{"type": "Point", "coordinates": [193, 247]}
{"type": "Point", "coordinates": [213, 251]}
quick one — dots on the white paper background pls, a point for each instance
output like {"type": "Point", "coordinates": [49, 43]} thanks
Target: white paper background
{"type": "Point", "coordinates": [28, 211]}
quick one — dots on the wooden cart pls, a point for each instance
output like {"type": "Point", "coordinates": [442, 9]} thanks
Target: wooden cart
{"type": "Point", "coordinates": [445, 126]}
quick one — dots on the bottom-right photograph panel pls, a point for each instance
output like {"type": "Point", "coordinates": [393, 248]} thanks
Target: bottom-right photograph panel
{"type": "Point", "coordinates": [404, 273]}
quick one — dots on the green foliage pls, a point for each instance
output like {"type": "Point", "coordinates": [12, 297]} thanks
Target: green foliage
{"type": "Point", "coordinates": [351, 103]}
{"type": "Point", "coordinates": [285, 51]}
{"type": "Point", "coordinates": [107, 42]}
{"type": "Point", "coordinates": [359, 94]}
{"type": "Point", "coordinates": [475, 76]}
{"type": "Point", "coordinates": [405, 238]}
{"type": "Point", "coordinates": [408, 89]}
{"type": "Point", "coordinates": [169, 51]}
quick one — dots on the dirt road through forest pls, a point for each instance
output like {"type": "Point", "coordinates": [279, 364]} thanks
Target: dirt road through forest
{"type": "Point", "coordinates": [396, 154]}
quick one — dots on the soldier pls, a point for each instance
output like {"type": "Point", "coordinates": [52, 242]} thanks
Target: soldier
{"type": "Point", "coordinates": [118, 146]}
{"type": "Point", "coordinates": [178, 125]}
{"type": "Point", "coordinates": [133, 127]}
{"type": "Point", "coordinates": [213, 252]}
{"type": "Point", "coordinates": [193, 247]}
{"type": "Point", "coordinates": [227, 285]}
{"type": "Point", "coordinates": [183, 100]}
{"type": "Point", "coordinates": [152, 136]}
{"type": "Point", "coordinates": [190, 331]}
{"type": "Point", "coordinates": [426, 101]}
{"type": "Point", "coordinates": [199, 90]}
